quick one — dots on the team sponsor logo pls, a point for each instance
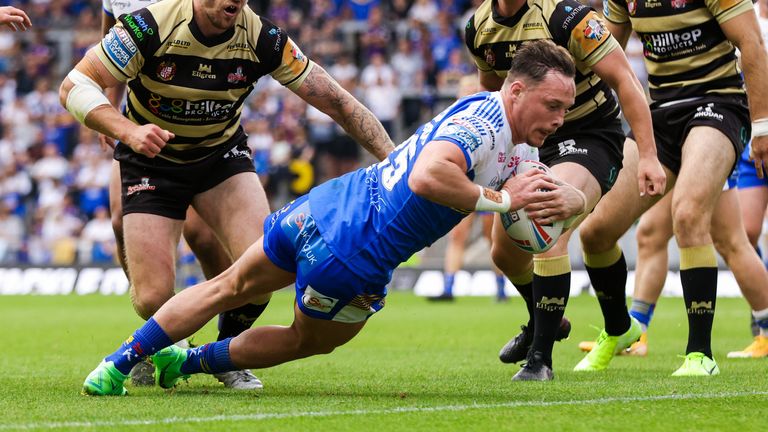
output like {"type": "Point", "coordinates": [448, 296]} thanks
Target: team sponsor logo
{"type": "Point", "coordinates": [374, 193]}
{"type": "Point", "coordinates": [189, 110]}
{"type": "Point", "coordinates": [488, 30]}
{"type": "Point", "coordinates": [204, 71]}
{"type": "Point", "coordinates": [118, 51]}
{"type": "Point", "coordinates": [594, 30]}
{"type": "Point", "coordinates": [551, 304]}
{"type": "Point", "coordinates": [652, 4]}
{"type": "Point", "coordinates": [297, 54]}
{"type": "Point", "coordinates": [166, 70]}
{"type": "Point", "coordinates": [672, 42]}
{"type": "Point", "coordinates": [275, 33]}
{"type": "Point", "coordinates": [236, 76]}
{"type": "Point", "coordinates": [237, 152]}
{"type": "Point", "coordinates": [490, 57]}
{"type": "Point", "coordinates": [178, 43]}
{"type": "Point", "coordinates": [137, 26]}
{"type": "Point", "coordinates": [312, 299]}
{"type": "Point", "coordinates": [238, 46]}
{"type": "Point", "coordinates": [462, 134]}
{"type": "Point", "coordinates": [678, 4]}
{"type": "Point", "coordinates": [143, 186]}
{"type": "Point", "coordinates": [125, 38]}
{"type": "Point", "coordinates": [701, 308]}
{"type": "Point", "coordinates": [632, 6]}
{"type": "Point", "coordinates": [572, 14]}
{"type": "Point", "coordinates": [533, 26]}
{"type": "Point", "coordinates": [568, 147]}
{"type": "Point", "coordinates": [511, 51]}
{"type": "Point", "coordinates": [706, 112]}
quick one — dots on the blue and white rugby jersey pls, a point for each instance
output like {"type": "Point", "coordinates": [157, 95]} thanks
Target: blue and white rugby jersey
{"type": "Point", "coordinates": [370, 218]}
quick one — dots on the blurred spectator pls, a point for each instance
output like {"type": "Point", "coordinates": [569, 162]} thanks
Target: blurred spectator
{"type": "Point", "coordinates": [97, 241]}
{"type": "Point", "coordinates": [11, 235]}
{"type": "Point", "coordinates": [376, 38]}
{"type": "Point", "coordinates": [380, 94]}
{"type": "Point", "coordinates": [424, 11]}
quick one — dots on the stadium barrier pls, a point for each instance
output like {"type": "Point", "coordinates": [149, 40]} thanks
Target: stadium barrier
{"type": "Point", "coordinates": [424, 282]}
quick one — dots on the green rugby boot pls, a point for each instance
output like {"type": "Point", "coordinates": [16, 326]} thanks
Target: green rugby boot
{"type": "Point", "coordinates": [105, 380]}
{"type": "Point", "coordinates": [606, 347]}
{"type": "Point", "coordinates": [697, 364]}
{"type": "Point", "coordinates": [168, 363]}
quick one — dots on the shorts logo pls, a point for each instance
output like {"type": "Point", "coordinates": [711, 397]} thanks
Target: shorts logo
{"type": "Point", "coordinates": [143, 186]}
{"type": "Point", "coordinates": [316, 301]}
{"type": "Point", "coordinates": [236, 152]}
{"type": "Point", "coordinates": [569, 147]}
{"type": "Point", "coordinates": [706, 112]}
{"type": "Point", "coordinates": [166, 71]}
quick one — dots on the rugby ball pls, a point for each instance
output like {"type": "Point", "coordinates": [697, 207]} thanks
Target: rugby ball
{"type": "Point", "coordinates": [525, 233]}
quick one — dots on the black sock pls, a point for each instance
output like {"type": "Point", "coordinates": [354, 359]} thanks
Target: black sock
{"type": "Point", "coordinates": [700, 294]}
{"type": "Point", "coordinates": [236, 321]}
{"type": "Point", "coordinates": [526, 292]}
{"type": "Point", "coordinates": [610, 283]}
{"type": "Point", "coordinates": [551, 287]}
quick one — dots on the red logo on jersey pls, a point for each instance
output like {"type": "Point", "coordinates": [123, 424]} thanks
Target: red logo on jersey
{"type": "Point", "coordinates": [166, 71]}
{"type": "Point", "coordinates": [237, 76]}
{"type": "Point", "coordinates": [490, 57]}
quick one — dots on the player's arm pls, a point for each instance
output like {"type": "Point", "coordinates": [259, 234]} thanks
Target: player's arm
{"type": "Point", "coordinates": [16, 19]}
{"type": "Point", "coordinates": [440, 175]}
{"type": "Point", "coordinates": [614, 69]}
{"type": "Point", "coordinates": [327, 95]}
{"type": "Point", "coordinates": [81, 93]}
{"type": "Point", "coordinates": [620, 32]}
{"type": "Point", "coordinates": [744, 31]}
{"type": "Point", "coordinates": [114, 94]}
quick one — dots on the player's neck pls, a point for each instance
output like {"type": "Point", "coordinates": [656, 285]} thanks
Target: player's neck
{"type": "Point", "coordinates": [508, 8]}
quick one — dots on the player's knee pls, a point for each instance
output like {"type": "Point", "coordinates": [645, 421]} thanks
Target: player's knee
{"type": "Point", "coordinates": [753, 233]}
{"type": "Point", "coordinates": [593, 239]}
{"type": "Point", "coordinates": [308, 345]}
{"type": "Point", "coordinates": [649, 238]}
{"type": "Point", "coordinates": [147, 302]}
{"type": "Point", "coordinates": [690, 222]}
{"type": "Point", "coordinates": [502, 259]}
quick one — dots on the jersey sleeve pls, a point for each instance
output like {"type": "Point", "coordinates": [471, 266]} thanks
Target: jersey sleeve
{"type": "Point", "coordinates": [475, 137]}
{"type": "Point", "coordinates": [723, 10]}
{"type": "Point", "coordinates": [470, 32]}
{"type": "Point", "coordinates": [617, 11]}
{"type": "Point", "coordinates": [581, 30]}
{"type": "Point", "coordinates": [128, 43]}
{"type": "Point", "coordinates": [283, 58]}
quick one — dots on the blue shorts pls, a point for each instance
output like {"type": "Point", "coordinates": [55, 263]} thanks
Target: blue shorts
{"type": "Point", "coordinates": [747, 173]}
{"type": "Point", "coordinates": [325, 288]}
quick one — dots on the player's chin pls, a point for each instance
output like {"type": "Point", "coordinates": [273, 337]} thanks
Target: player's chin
{"type": "Point", "coordinates": [537, 138]}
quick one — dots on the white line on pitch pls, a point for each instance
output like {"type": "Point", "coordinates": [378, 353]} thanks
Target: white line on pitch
{"type": "Point", "coordinates": [270, 416]}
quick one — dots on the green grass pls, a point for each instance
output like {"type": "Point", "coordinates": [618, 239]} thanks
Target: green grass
{"type": "Point", "coordinates": [416, 366]}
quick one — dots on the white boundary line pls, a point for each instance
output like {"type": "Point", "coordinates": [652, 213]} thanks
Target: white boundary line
{"type": "Point", "coordinates": [427, 409]}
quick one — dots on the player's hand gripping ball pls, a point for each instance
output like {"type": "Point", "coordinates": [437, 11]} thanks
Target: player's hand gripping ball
{"type": "Point", "coordinates": [525, 233]}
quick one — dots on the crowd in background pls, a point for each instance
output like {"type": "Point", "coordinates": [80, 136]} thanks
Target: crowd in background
{"type": "Point", "coordinates": [402, 58]}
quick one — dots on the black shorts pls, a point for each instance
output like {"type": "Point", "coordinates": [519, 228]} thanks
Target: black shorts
{"type": "Point", "coordinates": [671, 124]}
{"type": "Point", "coordinates": [157, 186]}
{"type": "Point", "coordinates": [598, 148]}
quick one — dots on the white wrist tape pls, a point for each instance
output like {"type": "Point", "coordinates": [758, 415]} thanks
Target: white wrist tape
{"type": "Point", "coordinates": [760, 127]}
{"type": "Point", "coordinates": [486, 204]}
{"type": "Point", "coordinates": [84, 96]}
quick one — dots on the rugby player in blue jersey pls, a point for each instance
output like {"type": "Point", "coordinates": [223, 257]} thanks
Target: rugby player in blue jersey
{"type": "Point", "coordinates": [340, 242]}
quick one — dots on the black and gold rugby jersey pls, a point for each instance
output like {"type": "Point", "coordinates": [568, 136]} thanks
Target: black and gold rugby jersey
{"type": "Point", "coordinates": [194, 85]}
{"type": "Point", "coordinates": [686, 53]}
{"type": "Point", "coordinates": [493, 39]}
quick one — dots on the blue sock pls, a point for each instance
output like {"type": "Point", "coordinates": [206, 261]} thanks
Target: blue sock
{"type": "Point", "coordinates": [210, 358]}
{"type": "Point", "coordinates": [147, 340]}
{"type": "Point", "coordinates": [448, 283]}
{"type": "Point", "coordinates": [642, 312]}
{"type": "Point", "coordinates": [500, 287]}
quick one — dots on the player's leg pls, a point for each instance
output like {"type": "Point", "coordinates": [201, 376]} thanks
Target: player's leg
{"type": "Point", "coordinates": [605, 262]}
{"type": "Point", "coordinates": [116, 210]}
{"type": "Point", "coordinates": [454, 256]}
{"type": "Point", "coordinates": [235, 209]}
{"type": "Point", "coordinates": [487, 229]}
{"type": "Point", "coordinates": [517, 265]}
{"type": "Point", "coordinates": [705, 150]}
{"type": "Point", "coordinates": [731, 242]}
{"type": "Point", "coordinates": [654, 231]}
{"type": "Point", "coordinates": [253, 275]}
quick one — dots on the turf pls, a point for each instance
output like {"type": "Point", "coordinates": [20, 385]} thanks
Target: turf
{"type": "Point", "coordinates": [416, 366]}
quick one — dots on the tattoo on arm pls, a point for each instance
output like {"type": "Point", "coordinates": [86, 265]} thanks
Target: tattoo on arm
{"type": "Point", "coordinates": [323, 92]}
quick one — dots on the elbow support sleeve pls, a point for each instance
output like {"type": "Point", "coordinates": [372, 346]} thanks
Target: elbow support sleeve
{"type": "Point", "coordinates": [84, 96]}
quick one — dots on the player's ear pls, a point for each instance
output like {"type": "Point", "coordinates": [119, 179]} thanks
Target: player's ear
{"type": "Point", "coordinates": [516, 89]}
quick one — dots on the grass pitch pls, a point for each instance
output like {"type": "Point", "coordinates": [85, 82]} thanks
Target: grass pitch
{"type": "Point", "coordinates": [416, 366]}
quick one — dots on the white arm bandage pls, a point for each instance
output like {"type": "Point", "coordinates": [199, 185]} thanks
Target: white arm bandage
{"type": "Point", "coordinates": [486, 204]}
{"type": "Point", "coordinates": [84, 96]}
